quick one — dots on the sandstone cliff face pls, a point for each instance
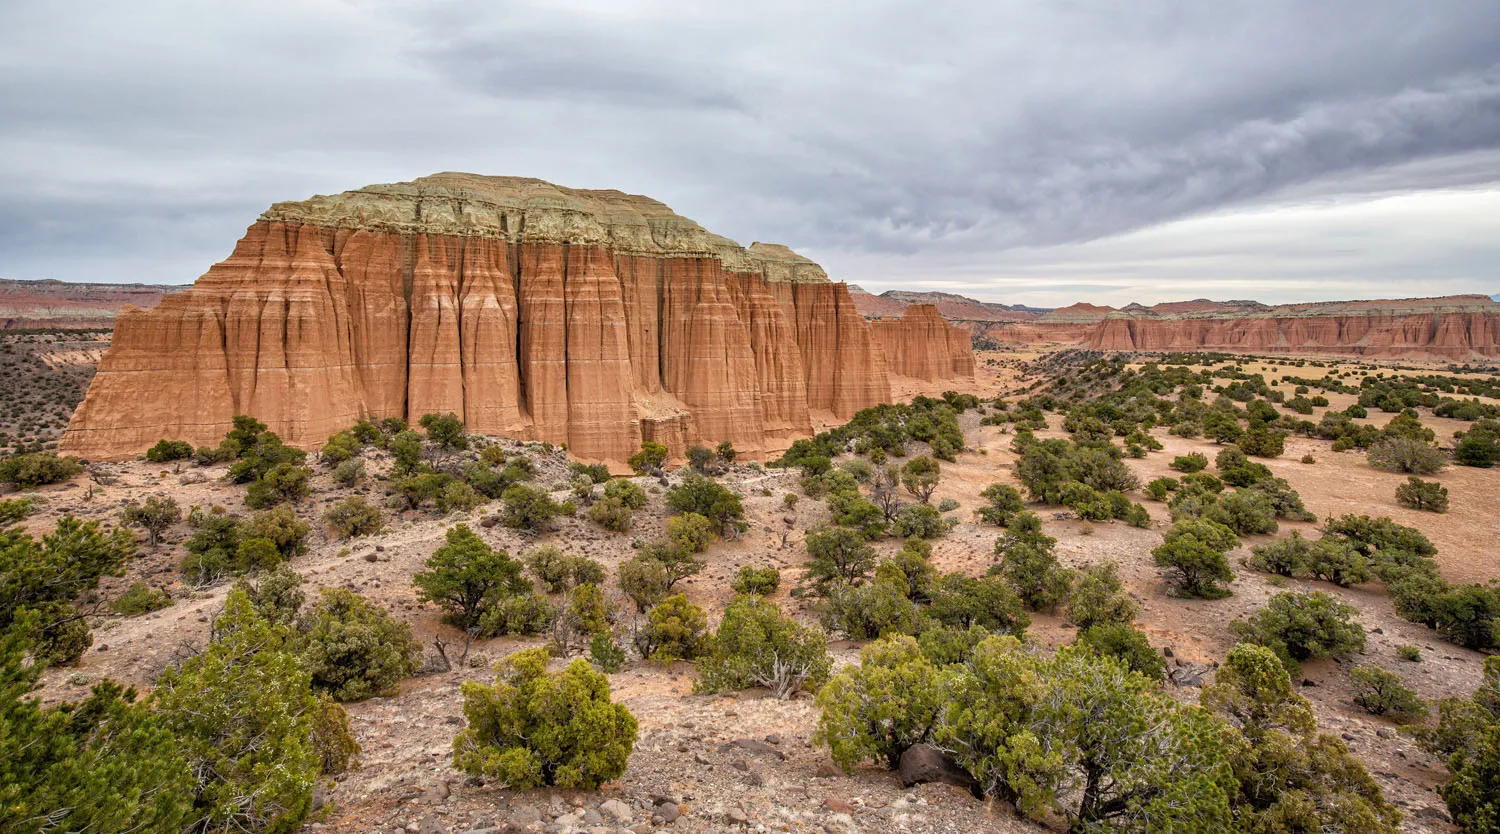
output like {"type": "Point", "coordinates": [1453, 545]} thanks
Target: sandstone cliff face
{"type": "Point", "coordinates": [922, 344]}
{"type": "Point", "coordinates": [590, 318]}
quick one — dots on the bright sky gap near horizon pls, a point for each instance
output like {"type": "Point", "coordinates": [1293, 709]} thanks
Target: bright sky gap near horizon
{"type": "Point", "coordinates": [1023, 152]}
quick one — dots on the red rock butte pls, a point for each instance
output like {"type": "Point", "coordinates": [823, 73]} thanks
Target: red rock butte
{"type": "Point", "coordinates": [594, 319]}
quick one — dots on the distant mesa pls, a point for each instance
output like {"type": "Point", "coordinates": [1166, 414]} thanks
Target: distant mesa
{"type": "Point", "coordinates": [595, 319]}
{"type": "Point", "coordinates": [1459, 327]}
{"type": "Point", "coordinates": [59, 305]}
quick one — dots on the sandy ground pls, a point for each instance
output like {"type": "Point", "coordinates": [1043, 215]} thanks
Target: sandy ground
{"type": "Point", "coordinates": [405, 778]}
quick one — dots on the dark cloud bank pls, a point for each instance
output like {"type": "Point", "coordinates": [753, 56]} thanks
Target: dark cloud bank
{"type": "Point", "coordinates": [1011, 150]}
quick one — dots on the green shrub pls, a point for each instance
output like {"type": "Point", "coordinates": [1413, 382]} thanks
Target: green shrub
{"type": "Point", "coordinates": [1244, 511]}
{"type": "Point", "coordinates": [964, 602]}
{"type": "Point", "coordinates": [644, 580]}
{"type": "Point", "coordinates": [276, 595]}
{"type": "Point", "coordinates": [879, 709]}
{"type": "Point", "coordinates": [1032, 569]}
{"type": "Point", "coordinates": [606, 654]}
{"type": "Point", "coordinates": [675, 630]}
{"type": "Point", "coordinates": [920, 476]}
{"type": "Point", "coordinates": [106, 763]}
{"type": "Point", "coordinates": [340, 448]}
{"type": "Point", "coordinates": [140, 598]}
{"type": "Point", "coordinates": [628, 493]}
{"type": "Point", "coordinates": [1099, 598]}
{"type": "Point", "coordinates": [1194, 549]}
{"type": "Point", "coordinates": [838, 556]}
{"type": "Point", "coordinates": [864, 612]}
{"type": "Point", "coordinates": [1121, 641]}
{"type": "Point", "coordinates": [250, 748]}
{"type": "Point", "coordinates": [354, 649]}
{"type": "Point", "coordinates": [40, 580]}
{"type": "Point", "coordinates": [1289, 778]}
{"type": "Point", "coordinates": [1406, 454]}
{"type": "Point", "coordinates": [284, 482]}
{"type": "Point", "coordinates": [349, 473]}
{"type": "Point", "coordinates": [649, 460]}
{"type": "Point", "coordinates": [1411, 654]}
{"type": "Point", "coordinates": [166, 451]}
{"type": "Point", "coordinates": [1263, 443]}
{"type": "Point", "coordinates": [466, 577]}
{"type": "Point", "coordinates": [354, 517]}
{"type": "Point", "coordinates": [524, 614]}
{"type": "Point", "coordinates": [923, 521]}
{"type": "Point", "coordinates": [756, 645]}
{"type": "Point", "coordinates": [1379, 692]}
{"type": "Point", "coordinates": [558, 571]}
{"type": "Point", "coordinates": [458, 496]}
{"type": "Point", "coordinates": [154, 515]}
{"type": "Point", "coordinates": [1031, 728]}
{"type": "Point", "coordinates": [446, 430]}
{"type": "Point", "coordinates": [1335, 560]}
{"type": "Point", "coordinates": [531, 728]}
{"type": "Point", "coordinates": [710, 499]}
{"type": "Point", "coordinates": [29, 471]}
{"type": "Point", "coordinates": [1422, 495]}
{"type": "Point", "coordinates": [528, 509]}
{"type": "Point", "coordinates": [610, 514]}
{"type": "Point", "coordinates": [1299, 627]}
{"type": "Point", "coordinates": [1001, 504]}
{"type": "Point", "coordinates": [691, 532]}
{"type": "Point", "coordinates": [1284, 557]}
{"type": "Point", "coordinates": [1160, 488]}
{"type": "Point", "coordinates": [759, 581]}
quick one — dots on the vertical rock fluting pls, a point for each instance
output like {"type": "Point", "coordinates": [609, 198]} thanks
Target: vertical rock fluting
{"type": "Point", "coordinates": [592, 319]}
{"type": "Point", "coordinates": [923, 345]}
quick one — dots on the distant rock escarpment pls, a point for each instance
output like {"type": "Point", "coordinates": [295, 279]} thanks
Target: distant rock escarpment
{"type": "Point", "coordinates": [594, 319]}
{"type": "Point", "coordinates": [1451, 327]}
{"type": "Point", "coordinates": [1456, 327]}
{"type": "Point", "coordinates": [60, 305]}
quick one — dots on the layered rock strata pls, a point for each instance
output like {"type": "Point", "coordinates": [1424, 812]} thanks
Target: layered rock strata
{"type": "Point", "coordinates": [59, 305]}
{"type": "Point", "coordinates": [594, 319]}
{"type": "Point", "coordinates": [922, 344]}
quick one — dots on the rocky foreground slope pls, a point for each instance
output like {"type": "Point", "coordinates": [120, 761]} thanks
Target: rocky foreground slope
{"type": "Point", "coordinates": [1459, 327]}
{"type": "Point", "coordinates": [594, 319]}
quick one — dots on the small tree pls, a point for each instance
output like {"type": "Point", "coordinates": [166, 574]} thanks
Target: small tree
{"type": "Point", "coordinates": [446, 430]}
{"type": "Point", "coordinates": [649, 460]}
{"type": "Point", "coordinates": [1002, 503]}
{"type": "Point", "coordinates": [1032, 569]}
{"type": "Point", "coordinates": [250, 748]}
{"type": "Point", "coordinates": [628, 493]}
{"type": "Point", "coordinates": [354, 517]}
{"type": "Point", "coordinates": [759, 581]}
{"type": "Point", "coordinates": [354, 649]}
{"type": "Point", "coordinates": [1422, 495]}
{"type": "Point", "coordinates": [465, 576]}
{"type": "Point", "coordinates": [1129, 645]}
{"type": "Point", "coordinates": [920, 477]}
{"type": "Point", "coordinates": [1099, 598]}
{"type": "Point", "coordinates": [725, 452]}
{"type": "Point", "coordinates": [838, 555]}
{"type": "Point", "coordinates": [699, 458]}
{"type": "Point", "coordinates": [756, 645]}
{"type": "Point", "coordinates": [710, 499]}
{"type": "Point", "coordinates": [154, 515]}
{"type": "Point", "coordinates": [645, 581]}
{"type": "Point", "coordinates": [674, 631]}
{"type": "Point", "coordinates": [1302, 626]}
{"type": "Point", "coordinates": [1190, 463]}
{"type": "Point", "coordinates": [166, 451]}
{"type": "Point", "coordinates": [531, 728]}
{"type": "Point", "coordinates": [284, 482]}
{"type": "Point", "coordinates": [989, 603]}
{"type": "Point", "coordinates": [1407, 454]}
{"type": "Point", "coordinates": [528, 509]}
{"type": "Point", "coordinates": [879, 709]}
{"type": "Point", "coordinates": [558, 571]}
{"type": "Point", "coordinates": [1379, 692]}
{"type": "Point", "coordinates": [1194, 549]}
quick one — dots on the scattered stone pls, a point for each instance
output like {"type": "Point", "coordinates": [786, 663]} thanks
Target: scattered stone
{"type": "Point", "coordinates": [616, 810]}
{"type": "Point", "coordinates": [838, 806]}
{"type": "Point", "coordinates": [525, 815]}
{"type": "Point", "coordinates": [827, 770]}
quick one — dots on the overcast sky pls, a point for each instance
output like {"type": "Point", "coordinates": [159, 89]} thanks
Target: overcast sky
{"type": "Point", "coordinates": [1026, 152]}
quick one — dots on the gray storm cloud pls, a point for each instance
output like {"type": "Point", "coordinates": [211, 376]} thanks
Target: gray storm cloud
{"type": "Point", "coordinates": [899, 141]}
